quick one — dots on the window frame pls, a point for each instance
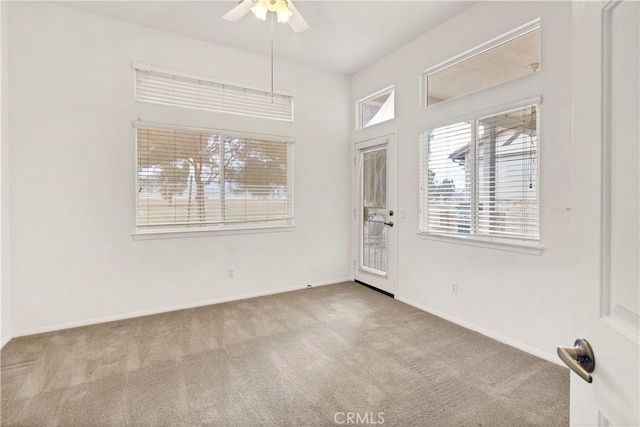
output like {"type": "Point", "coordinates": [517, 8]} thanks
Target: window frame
{"type": "Point", "coordinates": [477, 50]}
{"type": "Point", "coordinates": [527, 246]}
{"type": "Point", "coordinates": [387, 90]}
{"type": "Point", "coordinates": [225, 229]}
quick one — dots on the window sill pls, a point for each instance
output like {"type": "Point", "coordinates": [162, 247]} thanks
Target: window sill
{"type": "Point", "coordinates": [153, 235]}
{"type": "Point", "coordinates": [520, 246]}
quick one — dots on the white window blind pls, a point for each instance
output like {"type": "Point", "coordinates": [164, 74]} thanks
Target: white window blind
{"type": "Point", "coordinates": [206, 180]}
{"type": "Point", "coordinates": [480, 177]}
{"type": "Point", "coordinates": [446, 184]}
{"type": "Point", "coordinates": [181, 91]}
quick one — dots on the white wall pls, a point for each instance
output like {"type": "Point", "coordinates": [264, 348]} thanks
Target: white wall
{"type": "Point", "coordinates": [73, 258]}
{"type": "Point", "coordinates": [519, 298]}
{"type": "Point", "coordinates": [5, 284]}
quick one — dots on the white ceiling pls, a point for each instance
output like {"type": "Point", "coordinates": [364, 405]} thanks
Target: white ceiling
{"type": "Point", "coordinates": [344, 36]}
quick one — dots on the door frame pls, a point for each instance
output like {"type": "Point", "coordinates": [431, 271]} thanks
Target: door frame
{"type": "Point", "coordinates": [374, 139]}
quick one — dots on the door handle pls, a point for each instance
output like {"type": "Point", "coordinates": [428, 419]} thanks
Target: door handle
{"type": "Point", "coordinates": [579, 359]}
{"type": "Point", "coordinates": [390, 223]}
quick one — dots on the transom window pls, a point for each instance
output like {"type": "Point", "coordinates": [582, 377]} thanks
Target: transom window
{"type": "Point", "coordinates": [480, 177]}
{"type": "Point", "coordinates": [376, 108]}
{"type": "Point", "coordinates": [511, 56]}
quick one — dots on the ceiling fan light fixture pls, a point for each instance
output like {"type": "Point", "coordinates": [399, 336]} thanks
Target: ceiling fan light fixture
{"type": "Point", "coordinates": [260, 11]}
{"type": "Point", "coordinates": [284, 10]}
{"type": "Point", "coordinates": [284, 13]}
{"type": "Point", "coordinates": [280, 7]}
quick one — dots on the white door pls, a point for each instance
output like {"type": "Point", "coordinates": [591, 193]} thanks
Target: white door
{"type": "Point", "coordinates": [375, 213]}
{"type": "Point", "coordinates": [606, 191]}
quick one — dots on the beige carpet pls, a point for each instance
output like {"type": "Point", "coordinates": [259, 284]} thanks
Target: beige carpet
{"type": "Point", "coordinates": [308, 357]}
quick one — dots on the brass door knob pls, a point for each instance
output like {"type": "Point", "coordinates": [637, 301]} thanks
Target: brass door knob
{"type": "Point", "coordinates": [579, 358]}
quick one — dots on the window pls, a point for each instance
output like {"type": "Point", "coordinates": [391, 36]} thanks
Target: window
{"type": "Point", "coordinates": [511, 56]}
{"type": "Point", "coordinates": [480, 177]}
{"type": "Point", "coordinates": [183, 91]}
{"type": "Point", "coordinates": [376, 108]}
{"type": "Point", "coordinates": [207, 180]}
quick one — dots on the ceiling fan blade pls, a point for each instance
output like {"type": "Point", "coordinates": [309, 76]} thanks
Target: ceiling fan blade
{"type": "Point", "coordinates": [297, 22]}
{"type": "Point", "coordinates": [239, 11]}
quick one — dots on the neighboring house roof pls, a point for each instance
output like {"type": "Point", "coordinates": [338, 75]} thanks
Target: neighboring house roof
{"type": "Point", "coordinates": [515, 122]}
{"type": "Point", "coordinates": [460, 154]}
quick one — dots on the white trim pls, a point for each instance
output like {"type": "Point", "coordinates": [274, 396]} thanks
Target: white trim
{"type": "Point", "coordinates": [148, 312]}
{"type": "Point", "coordinates": [486, 332]}
{"type": "Point", "coordinates": [227, 132]}
{"type": "Point", "coordinates": [477, 50]}
{"type": "Point", "coordinates": [606, 187]}
{"type": "Point", "coordinates": [475, 115]}
{"type": "Point", "coordinates": [5, 340]}
{"type": "Point", "coordinates": [606, 152]}
{"type": "Point", "coordinates": [532, 247]}
{"type": "Point", "coordinates": [369, 270]}
{"type": "Point", "coordinates": [174, 234]}
{"type": "Point", "coordinates": [374, 144]}
{"type": "Point", "coordinates": [163, 70]}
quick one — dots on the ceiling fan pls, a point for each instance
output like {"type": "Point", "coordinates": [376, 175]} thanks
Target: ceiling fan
{"type": "Point", "coordinates": [284, 10]}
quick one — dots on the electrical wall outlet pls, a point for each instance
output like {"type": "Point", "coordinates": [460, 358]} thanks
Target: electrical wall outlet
{"type": "Point", "coordinates": [231, 273]}
{"type": "Point", "coordinates": [454, 288]}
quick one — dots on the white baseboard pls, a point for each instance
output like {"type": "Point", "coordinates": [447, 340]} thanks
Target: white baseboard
{"type": "Point", "coordinates": [5, 340]}
{"type": "Point", "coordinates": [131, 315]}
{"type": "Point", "coordinates": [486, 332]}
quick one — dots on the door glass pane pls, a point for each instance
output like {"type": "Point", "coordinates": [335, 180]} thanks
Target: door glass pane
{"type": "Point", "coordinates": [374, 209]}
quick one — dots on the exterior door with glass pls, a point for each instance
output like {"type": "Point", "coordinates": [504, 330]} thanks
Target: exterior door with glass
{"type": "Point", "coordinates": [375, 213]}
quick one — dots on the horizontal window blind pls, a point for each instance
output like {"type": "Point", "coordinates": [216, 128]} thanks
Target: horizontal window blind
{"type": "Point", "coordinates": [480, 177]}
{"type": "Point", "coordinates": [447, 183]}
{"type": "Point", "coordinates": [200, 180]}
{"type": "Point", "coordinates": [507, 174]}
{"type": "Point", "coordinates": [168, 89]}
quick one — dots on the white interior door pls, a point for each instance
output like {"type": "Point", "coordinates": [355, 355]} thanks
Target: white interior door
{"type": "Point", "coordinates": [606, 189]}
{"type": "Point", "coordinates": [375, 217]}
